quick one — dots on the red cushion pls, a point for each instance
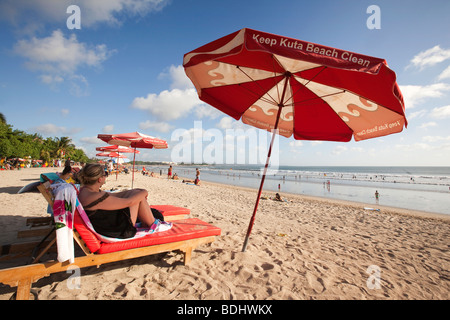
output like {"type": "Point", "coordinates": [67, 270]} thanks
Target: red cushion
{"type": "Point", "coordinates": [94, 244]}
{"type": "Point", "coordinates": [181, 230]}
{"type": "Point", "coordinates": [168, 210]}
{"type": "Point", "coordinates": [88, 237]}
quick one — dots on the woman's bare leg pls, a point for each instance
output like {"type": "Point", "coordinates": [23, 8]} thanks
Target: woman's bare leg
{"type": "Point", "coordinates": [145, 213]}
{"type": "Point", "coordinates": [134, 213]}
{"type": "Point", "coordinates": [142, 211]}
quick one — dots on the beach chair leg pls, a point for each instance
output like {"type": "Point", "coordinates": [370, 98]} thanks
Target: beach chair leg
{"type": "Point", "coordinates": [187, 256]}
{"type": "Point", "coordinates": [44, 251]}
{"type": "Point", "coordinates": [33, 259]}
{"type": "Point", "coordinates": [23, 289]}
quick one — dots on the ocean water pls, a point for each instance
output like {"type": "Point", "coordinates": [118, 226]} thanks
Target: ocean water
{"type": "Point", "coordinates": [417, 188]}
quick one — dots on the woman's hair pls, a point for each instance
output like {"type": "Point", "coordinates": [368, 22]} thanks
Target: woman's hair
{"type": "Point", "coordinates": [89, 174]}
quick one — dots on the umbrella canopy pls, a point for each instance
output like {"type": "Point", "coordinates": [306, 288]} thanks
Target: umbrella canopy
{"type": "Point", "coordinates": [134, 140]}
{"type": "Point", "coordinates": [110, 154]}
{"type": "Point", "coordinates": [116, 148]}
{"type": "Point", "coordinates": [298, 88]}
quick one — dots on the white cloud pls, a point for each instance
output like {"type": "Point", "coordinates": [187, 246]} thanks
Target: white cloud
{"type": "Point", "coordinates": [78, 85]}
{"type": "Point", "coordinates": [56, 54]}
{"type": "Point", "coordinates": [91, 140]}
{"type": "Point", "coordinates": [435, 138]}
{"type": "Point", "coordinates": [414, 95]}
{"type": "Point", "coordinates": [430, 57]}
{"type": "Point", "coordinates": [428, 124]}
{"type": "Point", "coordinates": [296, 144]}
{"type": "Point", "coordinates": [230, 123]}
{"type": "Point", "coordinates": [156, 126]}
{"type": "Point", "coordinates": [339, 149]}
{"type": "Point", "coordinates": [225, 123]}
{"type": "Point", "coordinates": [92, 12]}
{"type": "Point", "coordinates": [204, 110]}
{"type": "Point", "coordinates": [108, 128]}
{"type": "Point", "coordinates": [441, 113]}
{"type": "Point", "coordinates": [59, 59]}
{"type": "Point", "coordinates": [445, 74]}
{"type": "Point", "coordinates": [178, 102]}
{"type": "Point", "coordinates": [417, 114]}
{"type": "Point", "coordinates": [51, 129]}
{"type": "Point", "coordinates": [51, 79]}
{"type": "Point", "coordinates": [168, 105]}
{"type": "Point", "coordinates": [413, 147]}
{"type": "Point", "coordinates": [179, 79]}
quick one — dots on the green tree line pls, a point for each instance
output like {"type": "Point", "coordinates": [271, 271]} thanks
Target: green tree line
{"type": "Point", "coordinates": [16, 143]}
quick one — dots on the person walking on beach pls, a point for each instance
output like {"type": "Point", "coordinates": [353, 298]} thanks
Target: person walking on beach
{"type": "Point", "coordinates": [377, 195]}
{"type": "Point", "coordinates": [169, 172]}
{"type": "Point", "coordinates": [197, 177]}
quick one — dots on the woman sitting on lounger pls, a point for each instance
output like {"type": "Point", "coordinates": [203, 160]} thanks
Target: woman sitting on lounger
{"type": "Point", "coordinates": [112, 214]}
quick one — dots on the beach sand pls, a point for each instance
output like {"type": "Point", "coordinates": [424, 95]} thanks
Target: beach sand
{"type": "Point", "coordinates": [306, 248]}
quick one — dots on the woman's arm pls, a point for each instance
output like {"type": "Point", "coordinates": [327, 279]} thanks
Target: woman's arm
{"type": "Point", "coordinates": [126, 193]}
{"type": "Point", "coordinates": [113, 202]}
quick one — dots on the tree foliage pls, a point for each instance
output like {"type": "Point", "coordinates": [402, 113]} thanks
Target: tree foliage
{"type": "Point", "coordinates": [17, 143]}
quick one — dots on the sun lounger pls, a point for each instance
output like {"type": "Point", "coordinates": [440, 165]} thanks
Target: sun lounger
{"type": "Point", "coordinates": [185, 235]}
{"type": "Point", "coordinates": [41, 226]}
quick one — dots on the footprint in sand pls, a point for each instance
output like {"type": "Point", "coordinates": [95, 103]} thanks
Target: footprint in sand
{"type": "Point", "coordinates": [267, 266]}
{"type": "Point", "coordinates": [315, 283]}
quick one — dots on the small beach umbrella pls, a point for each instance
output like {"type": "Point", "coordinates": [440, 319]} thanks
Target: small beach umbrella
{"type": "Point", "coordinates": [118, 149]}
{"type": "Point", "coordinates": [110, 154]}
{"type": "Point", "coordinates": [134, 140]}
{"type": "Point", "coordinates": [296, 88]}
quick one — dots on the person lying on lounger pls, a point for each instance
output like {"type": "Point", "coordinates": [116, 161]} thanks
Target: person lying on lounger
{"type": "Point", "coordinates": [112, 214]}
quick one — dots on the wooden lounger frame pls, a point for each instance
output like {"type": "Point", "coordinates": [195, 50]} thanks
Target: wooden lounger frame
{"type": "Point", "coordinates": [24, 276]}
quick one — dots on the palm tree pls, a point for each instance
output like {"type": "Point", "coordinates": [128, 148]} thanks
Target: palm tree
{"type": "Point", "coordinates": [64, 145]}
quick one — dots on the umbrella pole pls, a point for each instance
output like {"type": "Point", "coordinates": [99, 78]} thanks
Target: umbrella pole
{"type": "Point", "coordinates": [280, 106]}
{"type": "Point", "coordinates": [132, 177]}
{"type": "Point", "coordinates": [252, 220]}
{"type": "Point", "coordinates": [117, 169]}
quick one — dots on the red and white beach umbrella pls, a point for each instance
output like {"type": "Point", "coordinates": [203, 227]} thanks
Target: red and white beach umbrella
{"type": "Point", "coordinates": [134, 140]}
{"type": "Point", "coordinates": [110, 154]}
{"type": "Point", "coordinates": [118, 149]}
{"type": "Point", "coordinates": [298, 88]}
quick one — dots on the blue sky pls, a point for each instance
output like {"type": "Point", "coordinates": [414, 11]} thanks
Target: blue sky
{"type": "Point", "coordinates": [121, 72]}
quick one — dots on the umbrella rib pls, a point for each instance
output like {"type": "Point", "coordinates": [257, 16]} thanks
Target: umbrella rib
{"type": "Point", "coordinates": [318, 97]}
{"type": "Point", "coordinates": [274, 102]}
{"type": "Point", "coordinates": [274, 59]}
{"type": "Point", "coordinates": [304, 86]}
